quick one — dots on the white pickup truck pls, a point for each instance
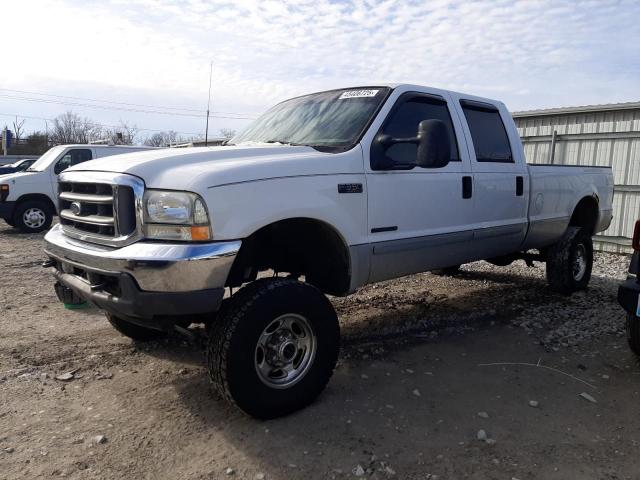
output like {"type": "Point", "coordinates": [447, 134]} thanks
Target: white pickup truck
{"type": "Point", "coordinates": [324, 193]}
{"type": "Point", "coordinates": [28, 198]}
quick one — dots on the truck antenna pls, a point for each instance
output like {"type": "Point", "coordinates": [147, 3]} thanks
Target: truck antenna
{"type": "Point", "coordinates": [206, 131]}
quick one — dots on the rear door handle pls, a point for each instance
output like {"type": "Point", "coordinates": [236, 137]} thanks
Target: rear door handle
{"type": "Point", "coordinates": [467, 187]}
{"type": "Point", "coordinates": [519, 186]}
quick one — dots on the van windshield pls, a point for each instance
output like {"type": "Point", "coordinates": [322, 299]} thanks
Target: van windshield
{"type": "Point", "coordinates": [334, 120]}
{"type": "Point", "coordinates": [46, 159]}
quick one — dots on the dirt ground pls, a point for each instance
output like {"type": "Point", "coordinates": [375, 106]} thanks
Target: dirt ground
{"type": "Point", "coordinates": [427, 362]}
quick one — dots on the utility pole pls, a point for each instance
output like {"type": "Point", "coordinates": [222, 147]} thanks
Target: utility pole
{"type": "Point", "coordinates": [206, 131]}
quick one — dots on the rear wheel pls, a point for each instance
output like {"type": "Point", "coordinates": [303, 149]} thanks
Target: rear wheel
{"type": "Point", "coordinates": [569, 262]}
{"type": "Point", "coordinates": [274, 347]}
{"type": "Point", "coordinates": [33, 216]}
{"type": "Point", "coordinates": [133, 331]}
{"type": "Point", "coordinates": [633, 333]}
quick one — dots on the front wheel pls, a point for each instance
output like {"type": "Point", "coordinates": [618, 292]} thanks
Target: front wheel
{"type": "Point", "coordinates": [633, 333]}
{"type": "Point", "coordinates": [274, 347]}
{"type": "Point", "coordinates": [33, 216]}
{"type": "Point", "coordinates": [569, 262]}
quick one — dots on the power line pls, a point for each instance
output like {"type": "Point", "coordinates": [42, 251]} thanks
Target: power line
{"type": "Point", "coordinates": [95, 124]}
{"type": "Point", "coordinates": [184, 109]}
{"type": "Point", "coordinates": [102, 107]}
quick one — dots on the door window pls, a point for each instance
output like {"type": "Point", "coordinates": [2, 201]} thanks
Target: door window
{"type": "Point", "coordinates": [490, 139]}
{"type": "Point", "coordinates": [403, 122]}
{"type": "Point", "coordinates": [72, 157]}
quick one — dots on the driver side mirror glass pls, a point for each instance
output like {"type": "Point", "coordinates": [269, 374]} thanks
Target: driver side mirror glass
{"type": "Point", "coordinates": [434, 144]}
{"type": "Point", "coordinates": [433, 147]}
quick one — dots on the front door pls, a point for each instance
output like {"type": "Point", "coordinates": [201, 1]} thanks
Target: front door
{"type": "Point", "coordinates": [419, 218]}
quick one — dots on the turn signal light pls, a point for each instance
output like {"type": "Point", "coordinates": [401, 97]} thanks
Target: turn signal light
{"type": "Point", "coordinates": [4, 192]}
{"type": "Point", "coordinates": [200, 233]}
{"type": "Point", "coordinates": [635, 243]}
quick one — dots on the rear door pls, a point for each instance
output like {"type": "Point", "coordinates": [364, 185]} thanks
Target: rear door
{"type": "Point", "coordinates": [419, 218]}
{"type": "Point", "coordinates": [500, 174]}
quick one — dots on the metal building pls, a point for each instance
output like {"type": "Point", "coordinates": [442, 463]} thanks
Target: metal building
{"type": "Point", "coordinates": [607, 135]}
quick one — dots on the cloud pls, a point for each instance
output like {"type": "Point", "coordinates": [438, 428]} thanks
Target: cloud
{"type": "Point", "coordinates": [527, 53]}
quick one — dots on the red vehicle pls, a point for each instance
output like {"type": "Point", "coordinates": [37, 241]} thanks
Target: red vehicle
{"type": "Point", "coordinates": [629, 294]}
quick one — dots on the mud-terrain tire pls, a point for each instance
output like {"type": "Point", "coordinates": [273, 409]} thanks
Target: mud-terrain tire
{"type": "Point", "coordinates": [633, 333]}
{"type": "Point", "coordinates": [133, 331]}
{"type": "Point", "coordinates": [268, 324]}
{"type": "Point", "coordinates": [569, 262]}
{"type": "Point", "coordinates": [32, 216]}
{"type": "Point", "coordinates": [447, 271]}
{"type": "Point", "coordinates": [67, 295]}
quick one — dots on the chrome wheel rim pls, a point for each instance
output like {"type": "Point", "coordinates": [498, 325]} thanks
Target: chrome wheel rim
{"type": "Point", "coordinates": [33, 217]}
{"type": "Point", "coordinates": [579, 263]}
{"type": "Point", "coordinates": [285, 351]}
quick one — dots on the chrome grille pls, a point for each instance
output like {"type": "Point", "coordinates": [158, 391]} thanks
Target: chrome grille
{"type": "Point", "coordinates": [101, 207]}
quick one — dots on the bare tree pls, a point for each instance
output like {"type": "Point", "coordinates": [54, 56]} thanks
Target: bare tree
{"type": "Point", "coordinates": [227, 133]}
{"type": "Point", "coordinates": [71, 128]}
{"type": "Point", "coordinates": [18, 129]}
{"type": "Point", "coordinates": [124, 134]}
{"type": "Point", "coordinates": [164, 139]}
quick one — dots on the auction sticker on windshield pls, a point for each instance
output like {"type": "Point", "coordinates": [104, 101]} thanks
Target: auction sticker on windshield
{"type": "Point", "coordinates": [358, 94]}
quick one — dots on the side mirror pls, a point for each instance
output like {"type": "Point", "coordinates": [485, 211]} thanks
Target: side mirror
{"type": "Point", "coordinates": [434, 144]}
{"type": "Point", "coordinates": [434, 147]}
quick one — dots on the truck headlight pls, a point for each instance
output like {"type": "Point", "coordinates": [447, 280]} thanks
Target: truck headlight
{"type": "Point", "coordinates": [170, 215]}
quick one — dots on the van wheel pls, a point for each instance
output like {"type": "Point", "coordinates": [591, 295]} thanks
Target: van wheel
{"type": "Point", "coordinates": [133, 331]}
{"type": "Point", "coordinates": [633, 333]}
{"type": "Point", "coordinates": [569, 262]}
{"type": "Point", "coordinates": [274, 347]}
{"type": "Point", "coordinates": [33, 216]}
{"type": "Point", "coordinates": [447, 271]}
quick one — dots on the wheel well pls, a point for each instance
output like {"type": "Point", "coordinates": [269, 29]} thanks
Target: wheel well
{"type": "Point", "coordinates": [37, 196]}
{"type": "Point", "coordinates": [299, 246]}
{"type": "Point", "coordinates": [585, 214]}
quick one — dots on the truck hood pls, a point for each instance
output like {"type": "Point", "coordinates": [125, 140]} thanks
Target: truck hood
{"type": "Point", "coordinates": [22, 177]}
{"type": "Point", "coordinates": [196, 169]}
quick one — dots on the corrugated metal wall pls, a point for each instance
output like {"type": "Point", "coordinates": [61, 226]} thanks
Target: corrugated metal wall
{"type": "Point", "coordinates": [606, 138]}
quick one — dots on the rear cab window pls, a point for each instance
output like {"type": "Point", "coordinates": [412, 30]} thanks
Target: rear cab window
{"type": "Point", "coordinates": [488, 133]}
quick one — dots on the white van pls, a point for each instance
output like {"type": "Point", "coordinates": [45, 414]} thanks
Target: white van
{"type": "Point", "coordinates": [28, 200]}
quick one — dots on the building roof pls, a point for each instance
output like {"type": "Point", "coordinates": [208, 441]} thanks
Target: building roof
{"type": "Point", "coordinates": [579, 109]}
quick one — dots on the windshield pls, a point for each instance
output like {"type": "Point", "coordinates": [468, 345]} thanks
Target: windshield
{"type": "Point", "coordinates": [329, 119]}
{"type": "Point", "coordinates": [45, 160]}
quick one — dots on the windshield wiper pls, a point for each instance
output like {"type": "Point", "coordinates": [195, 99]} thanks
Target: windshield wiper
{"type": "Point", "coordinates": [285, 142]}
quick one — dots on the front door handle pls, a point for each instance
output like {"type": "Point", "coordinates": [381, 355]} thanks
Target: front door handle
{"type": "Point", "coordinates": [519, 186]}
{"type": "Point", "coordinates": [467, 187]}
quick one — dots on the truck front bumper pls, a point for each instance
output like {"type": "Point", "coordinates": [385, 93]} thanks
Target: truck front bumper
{"type": "Point", "coordinates": [145, 281]}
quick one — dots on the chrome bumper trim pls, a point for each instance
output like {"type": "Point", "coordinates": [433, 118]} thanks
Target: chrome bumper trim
{"type": "Point", "coordinates": [156, 267]}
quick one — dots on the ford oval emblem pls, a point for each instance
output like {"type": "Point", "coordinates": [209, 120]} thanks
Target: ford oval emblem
{"type": "Point", "coordinates": [75, 208]}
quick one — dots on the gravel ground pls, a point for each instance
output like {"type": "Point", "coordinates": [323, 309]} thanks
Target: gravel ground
{"type": "Point", "coordinates": [482, 375]}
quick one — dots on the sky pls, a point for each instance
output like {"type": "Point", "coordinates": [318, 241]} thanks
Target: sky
{"type": "Point", "coordinates": [146, 62]}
